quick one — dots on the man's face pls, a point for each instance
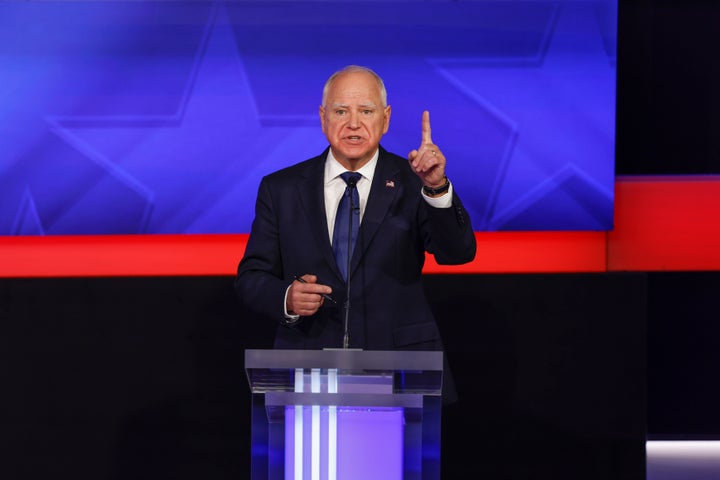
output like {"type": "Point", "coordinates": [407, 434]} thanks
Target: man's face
{"type": "Point", "coordinates": [353, 118]}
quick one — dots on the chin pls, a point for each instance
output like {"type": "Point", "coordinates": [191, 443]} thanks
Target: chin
{"type": "Point", "coordinates": [355, 153]}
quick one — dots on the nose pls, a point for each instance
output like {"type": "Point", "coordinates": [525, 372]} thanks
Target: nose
{"type": "Point", "coordinates": [354, 120]}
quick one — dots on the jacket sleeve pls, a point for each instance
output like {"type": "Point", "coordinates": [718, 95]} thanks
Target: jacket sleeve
{"type": "Point", "coordinates": [448, 234]}
{"type": "Point", "coordinates": [259, 283]}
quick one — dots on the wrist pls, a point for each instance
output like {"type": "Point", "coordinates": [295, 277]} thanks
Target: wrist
{"type": "Point", "coordinates": [432, 191]}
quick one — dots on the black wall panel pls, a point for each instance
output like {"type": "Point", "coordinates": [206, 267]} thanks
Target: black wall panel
{"type": "Point", "coordinates": [684, 355]}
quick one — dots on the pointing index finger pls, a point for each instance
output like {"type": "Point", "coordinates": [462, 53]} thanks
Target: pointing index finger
{"type": "Point", "coordinates": [426, 139]}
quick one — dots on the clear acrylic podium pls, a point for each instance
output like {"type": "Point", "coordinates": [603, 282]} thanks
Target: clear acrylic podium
{"type": "Point", "coordinates": [345, 414]}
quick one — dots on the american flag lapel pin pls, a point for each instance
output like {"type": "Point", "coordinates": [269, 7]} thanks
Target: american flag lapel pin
{"type": "Point", "coordinates": [389, 184]}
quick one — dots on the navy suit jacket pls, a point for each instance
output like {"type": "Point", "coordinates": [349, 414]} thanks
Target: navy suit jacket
{"type": "Point", "coordinates": [388, 308]}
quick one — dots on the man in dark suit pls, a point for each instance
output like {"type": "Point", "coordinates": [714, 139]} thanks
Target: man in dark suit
{"type": "Point", "coordinates": [406, 207]}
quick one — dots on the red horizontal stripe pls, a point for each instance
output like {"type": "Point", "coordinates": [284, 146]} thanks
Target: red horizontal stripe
{"type": "Point", "coordinates": [120, 255]}
{"type": "Point", "coordinates": [530, 252]}
{"type": "Point", "coordinates": [666, 223]}
{"type": "Point", "coordinates": [661, 223]}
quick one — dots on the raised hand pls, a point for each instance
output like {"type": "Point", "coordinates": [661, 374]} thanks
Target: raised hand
{"type": "Point", "coordinates": [427, 161]}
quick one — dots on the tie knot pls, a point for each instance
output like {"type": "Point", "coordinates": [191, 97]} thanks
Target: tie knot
{"type": "Point", "coordinates": [351, 178]}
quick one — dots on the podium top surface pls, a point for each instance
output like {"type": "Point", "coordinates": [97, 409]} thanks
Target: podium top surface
{"type": "Point", "coordinates": [403, 371]}
{"type": "Point", "coordinates": [345, 359]}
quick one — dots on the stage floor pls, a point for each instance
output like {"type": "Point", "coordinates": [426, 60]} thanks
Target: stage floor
{"type": "Point", "coordinates": [683, 460]}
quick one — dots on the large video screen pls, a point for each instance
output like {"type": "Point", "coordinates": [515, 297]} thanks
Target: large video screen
{"type": "Point", "coordinates": [140, 117]}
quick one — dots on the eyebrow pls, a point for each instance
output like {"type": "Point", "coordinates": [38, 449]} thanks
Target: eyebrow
{"type": "Point", "coordinates": [363, 105]}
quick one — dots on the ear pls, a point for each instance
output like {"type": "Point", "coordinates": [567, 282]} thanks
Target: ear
{"type": "Point", "coordinates": [321, 112]}
{"type": "Point", "coordinates": [386, 119]}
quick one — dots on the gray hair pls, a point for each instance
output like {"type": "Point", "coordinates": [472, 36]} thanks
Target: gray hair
{"type": "Point", "coordinates": [352, 69]}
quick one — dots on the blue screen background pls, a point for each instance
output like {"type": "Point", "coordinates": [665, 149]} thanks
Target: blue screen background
{"type": "Point", "coordinates": [161, 117]}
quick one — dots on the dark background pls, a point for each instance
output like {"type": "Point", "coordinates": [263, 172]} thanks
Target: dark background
{"type": "Point", "coordinates": [143, 378]}
{"type": "Point", "coordinates": [668, 111]}
{"type": "Point", "coordinates": [559, 375]}
{"type": "Point", "coordinates": [668, 123]}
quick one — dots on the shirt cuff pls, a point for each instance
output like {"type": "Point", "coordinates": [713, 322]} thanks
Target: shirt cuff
{"type": "Point", "coordinates": [289, 318]}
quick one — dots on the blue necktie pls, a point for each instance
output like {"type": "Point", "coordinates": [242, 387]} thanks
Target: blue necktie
{"type": "Point", "coordinates": [344, 241]}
